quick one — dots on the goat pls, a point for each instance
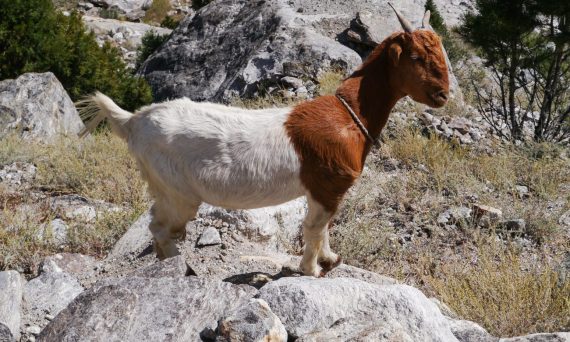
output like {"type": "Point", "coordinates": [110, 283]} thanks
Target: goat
{"type": "Point", "coordinates": [191, 152]}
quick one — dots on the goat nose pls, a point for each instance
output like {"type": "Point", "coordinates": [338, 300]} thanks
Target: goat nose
{"type": "Point", "coordinates": [442, 94]}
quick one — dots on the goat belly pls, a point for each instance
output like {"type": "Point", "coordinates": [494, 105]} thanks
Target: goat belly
{"type": "Point", "coordinates": [220, 155]}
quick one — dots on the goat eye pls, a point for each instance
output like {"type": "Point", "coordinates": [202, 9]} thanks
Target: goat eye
{"type": "Point", "coordinates": [415, 57]}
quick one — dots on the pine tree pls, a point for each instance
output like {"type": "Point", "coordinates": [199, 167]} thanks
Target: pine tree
{"type": "Point", "coordinates": [436, 20]}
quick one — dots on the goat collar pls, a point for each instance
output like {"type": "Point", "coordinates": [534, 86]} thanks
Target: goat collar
{"type": "Point", "coordinates": [375, 142]}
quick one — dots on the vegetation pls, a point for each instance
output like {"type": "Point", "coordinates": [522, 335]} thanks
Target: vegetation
{"type": "Point", "coordinates": [197, 4]}
{"type": "Point", "coordinates": [98, 168]}
{"type": "Point", "coordinates": [151, 41]}
{"type": "Point", "coordinates": [526, 45]}
{"type": "Point", "coordinates": [34, 37]}
{"type": "Point", "coordinates": [454, 47]}
{"type": "Point", "coordinates": [157, 12]}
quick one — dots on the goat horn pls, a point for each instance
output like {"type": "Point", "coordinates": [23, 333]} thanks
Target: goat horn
{"type": "Point", "coordinates": [403, 21]}
{"type": "Point", "coordinates": [425, 20]}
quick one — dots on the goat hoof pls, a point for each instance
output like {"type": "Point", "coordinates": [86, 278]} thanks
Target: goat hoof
{"type": "Point", "coordinates": [328, 265]}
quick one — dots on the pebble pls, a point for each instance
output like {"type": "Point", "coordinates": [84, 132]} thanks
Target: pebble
{"type": "Point", "coordinates": [210, 236]}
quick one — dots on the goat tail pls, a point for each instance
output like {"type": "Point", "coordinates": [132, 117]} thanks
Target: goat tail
{"type": "Point", "coordinates": [99, 107]}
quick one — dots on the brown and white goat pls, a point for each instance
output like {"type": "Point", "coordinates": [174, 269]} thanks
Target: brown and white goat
{"type": "Point", "coordinates": [191, 152]}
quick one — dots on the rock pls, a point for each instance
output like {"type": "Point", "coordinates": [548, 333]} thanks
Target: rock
{"type": "Point", "coordinates": [77, 265]}
{"type": "Point", "coordinates": [5, 334]}
{"type": "Point", "coordinates": [55, 230]}
{"type": "Point", "coordinates": [75, 207]}
{"type": "Point", "coordinates": [171, 267]}
{"type": "Point", "coordinates": [454, 215]}
{"type": "Point", "coordinates": [210, 236]}
{"type": "Point", "coordinates": [565, 219]}
{"type": "Point", "coordinates": [18, 174]}
{"type": "Point", "coordinates": [549, 337]}
{"type": "Point", "coordinates": [35, 106]}
{"type": "Point", "coordinates": [135, 240]}
{"type": "Point", "coordinates": [124, 34]}
{"type": "Point", "coordinates": [49, 293]}
{"type": "Point", "coordinates": [147, 309]}
{"type": "Point", "coordinates": [264, 223]}
{"type": "Point", "coordinates": [10, 304]}
{"type": "Point", "coordinates": [516, 225]}
{"type": "Point", "coordinates": [124, 6]}
{"type": "Point", "coordinates": [267, 40]}
{"type": "Point", "coordinates": [460, 124]}
{"type": "Point", "coordinates": [467, 331]}
{"type": "Point", "coordinates": [521, 191]}
{"type": "Point", "coordinates": [253, 321]}
{"type": "Point", "coordinates": [292, 82]}
{"type": "Point", "coordinates": [486, 215]}
{"type": "Point", "coordinates": [33, 330]}
{"type": "Point", "coordinates": [306, 305]}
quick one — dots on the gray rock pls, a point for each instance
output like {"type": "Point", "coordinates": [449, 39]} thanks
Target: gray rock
{"type": "Point", "coordinates": [264, 223]}
{"type": "Point", "coordinates": [74, 264]}
{"type": "Point", "coordinates": [18, 174]}
{"type": "Point", "coordinates": [565, 219]}
{"type": "Point", "coordinates": [454, 215]}
{"type": "Point", "coordinates": [135, 240]}
{"type": "Point", "coordinates": [147, 309]}
{"type": "Point", "coordinates": [10, 303]}
{"type": "Point", "coordinates": [75, 207]}
{"type": "Point", "coordinates": [5, 334]}
{"type": "Point", "coordinates": [35, 106]}
{"type": "Point", "coordinates": [251, 322]}
{"type": "Point", "coordinates": [460, 124]}
{"type": "Point", "coordinates": [48, 294]}
{"type": "Point", "coordinates": [124, 6]}
{"type": "Point", "coordinates": [306, 305]}
{"type": "Point", "coordinates": [552, 337]}
{"type": "Point", "coordinates": [516, 225]}
{"type": "Point", "coordinates": [292, 82]}
{"type": "Point", "coordinates": [266, 40]}
{"type": "Point", "coordinates": [126, 35]}
{"type": "Point", "coordinates": [172, 267]}
{"type": "Point", "coordinates": [210, 236]}
{"type": "Point", "coordinates": [486, 215]}
{"type": "Point", "coordinates": [467, 331]}
{"type": "Point", "coordinates": [33, 330]}
{"type": "Point", "coordinates": [55, 230]}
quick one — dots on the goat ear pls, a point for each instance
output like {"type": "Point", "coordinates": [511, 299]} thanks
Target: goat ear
{"type": "Point", "coordinates": [395, 52]}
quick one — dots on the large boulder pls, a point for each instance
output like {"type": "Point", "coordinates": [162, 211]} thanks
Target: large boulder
{"type": "Point", "coordinates": [10, 305]}
{"type": "Point", "coordinates": [233, 48]}
{"type": "Point", "coordinates": [124, 34]}
{"type": "Point", "coordinates": [36, 106]}
{"type": "Point", "coordinates": [345, 308]}
{"type": "Point", "coordinates": [147, 309]}
{"type": "Point", "coordinates": [236, 48]}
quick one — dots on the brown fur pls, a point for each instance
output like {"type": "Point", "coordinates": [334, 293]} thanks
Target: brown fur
{"type": "Point", "coordinates": [331, 147]}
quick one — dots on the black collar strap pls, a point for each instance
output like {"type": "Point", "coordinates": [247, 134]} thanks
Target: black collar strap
{"type": "Point", "coordinates": [358, 123]}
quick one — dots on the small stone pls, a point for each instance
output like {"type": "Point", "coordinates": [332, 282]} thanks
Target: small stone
{"type": "Point", "coordinates": [34, 330]}
{"type": "Point", "coordinates": [210, 236]}
{"type": "Point", "coordinates": [517, 225]}
{"type": "Point", "coordinates": [522, 191]}
{"type": "Point", "coordinates": [292, 82]}
{"type": "Point", "coordinates": [56, 231]}
{"type": "Point", "coordinates": [454, 215]}
{"type": "Point", "coordinates": [486, 215]}
{"type": "Point", "coordinates": [49, 317]}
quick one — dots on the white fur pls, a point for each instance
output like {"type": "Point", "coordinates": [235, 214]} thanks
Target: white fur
{"type": "Point", "coordinates": [224, 156]}
{"type": "Point", "coordinates": [192, 152]}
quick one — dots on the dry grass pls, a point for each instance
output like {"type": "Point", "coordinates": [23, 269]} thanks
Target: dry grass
{"type": "Point", "coordinates": [157, 12]}
{"type": "Point", "coordinates": [388, 224]}
{"type": "Point", "coordinates": [96, 168]}
{"type": "Point", "coordinates": [329, 81]}
{"type": "Point", "coordinates": [506, 294]}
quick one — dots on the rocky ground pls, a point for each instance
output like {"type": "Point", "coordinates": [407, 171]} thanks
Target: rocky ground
{"type": "Point", "coordinates": [235, 279]}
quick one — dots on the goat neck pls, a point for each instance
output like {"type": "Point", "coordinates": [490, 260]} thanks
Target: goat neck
{"type": "Point", "coordinates": [369, 90]}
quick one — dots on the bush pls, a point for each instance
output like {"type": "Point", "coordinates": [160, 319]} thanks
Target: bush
{"type": "Point", "coordinates": [34, 37]}
{"type": "Point", "coordinates": [151, 41]}
{"type": "Point", "coordinates": [157, 12]}
{"type": "Point", "coordinates": [170, 22]}
{"type": "Point", "coordinates": [197, 4]}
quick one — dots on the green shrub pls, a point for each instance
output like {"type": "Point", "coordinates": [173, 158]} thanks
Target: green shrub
{"type": "Point", "coordinates": [150, 42]}
{"type": "Point", "coordinates": [170, 22]}
{"type": "Point", "coordinates": [34, 37]}
{"type": "Point", "coordinates": [197, 4]}
{"type": "Point", "coordinates": [157, 12]}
